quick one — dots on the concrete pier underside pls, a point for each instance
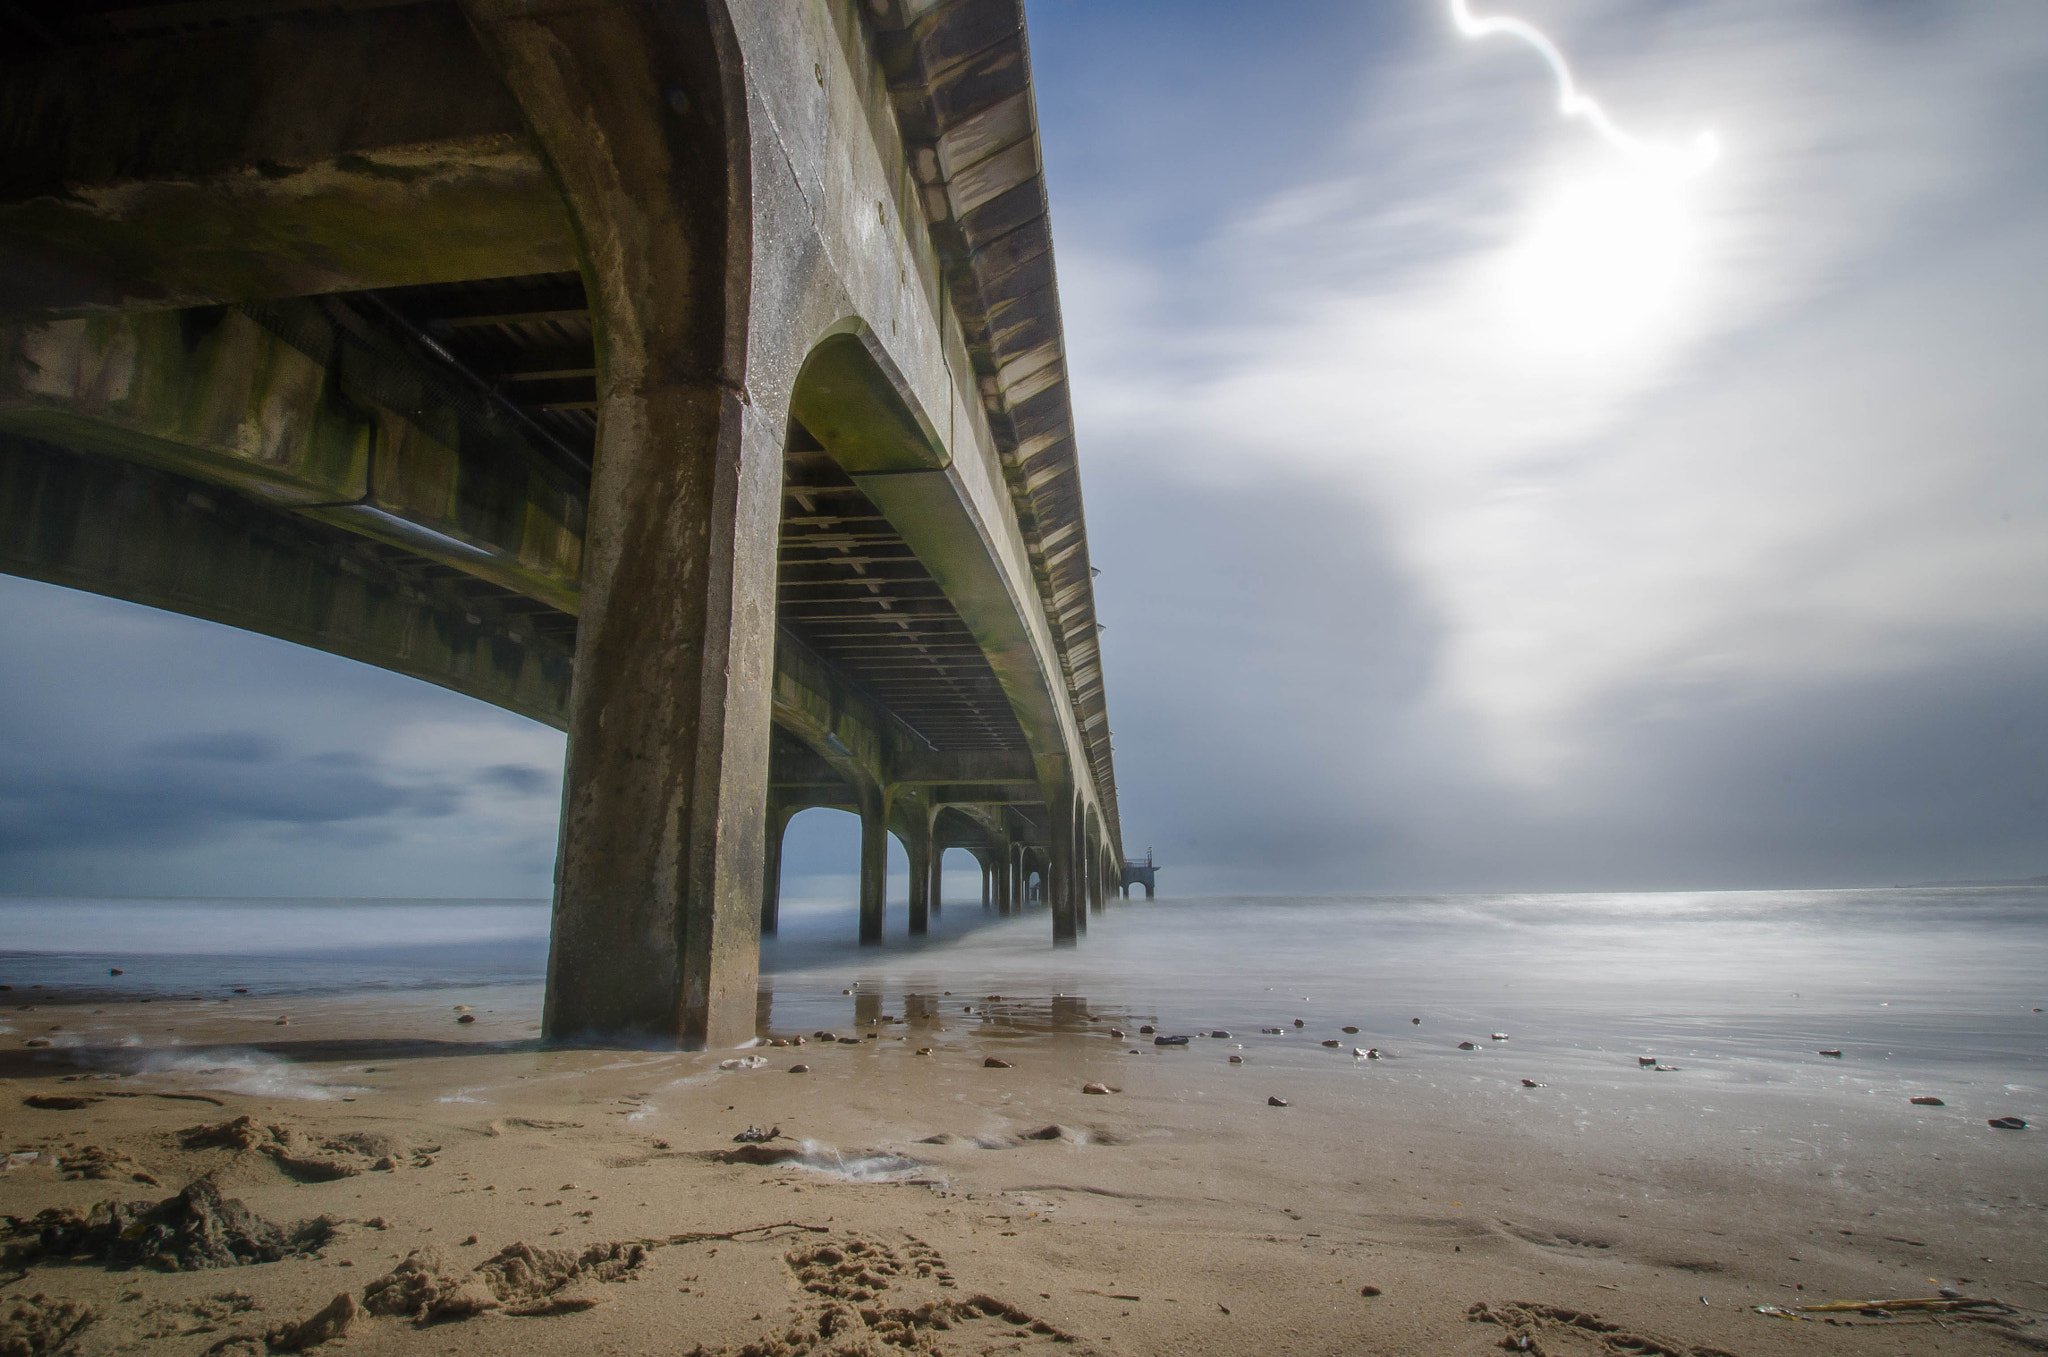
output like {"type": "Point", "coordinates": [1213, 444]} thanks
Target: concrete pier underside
{"type": "Point", "coordinates": [687, 376]}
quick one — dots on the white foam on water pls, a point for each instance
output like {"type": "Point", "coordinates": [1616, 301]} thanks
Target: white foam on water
{"type": "Point", "coordinates": [254, 1073]}
{"type": "Point", "coordinates": [819, 1157]}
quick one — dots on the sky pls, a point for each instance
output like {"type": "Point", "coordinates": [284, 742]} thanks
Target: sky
{"type": "Point", "coordinates": [1483, 503]}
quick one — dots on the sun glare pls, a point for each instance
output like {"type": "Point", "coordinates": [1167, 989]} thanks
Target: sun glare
{"type": "Point", "coordinates": [1607, 262]}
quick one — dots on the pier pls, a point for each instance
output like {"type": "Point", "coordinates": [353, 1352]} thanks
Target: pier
{"type": "Point", "coordinates": [687, 376]}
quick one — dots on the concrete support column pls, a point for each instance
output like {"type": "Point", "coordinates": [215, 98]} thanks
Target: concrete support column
{"type": "Point", "coordinates": [874, 864]}
{"type": "Point", "coordinates": [1059, 881]}
{"type": "Point", "coordinates": [1078, 875]}
{"type": "Point", "coordinates": [936, 891]}
{"type": "Point", "coordinates": [774, 827]}
{"type": "Point", "coordinates": [656, 930]}
{"type": "Point", "coordinates": [918, 847]}
{"type": "Point", "coordinates": [987, 881]}
{"type": "Point", "coordinates": [1097, 892]}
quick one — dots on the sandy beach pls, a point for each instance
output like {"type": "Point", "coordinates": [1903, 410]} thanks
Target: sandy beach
{"type": "Point", "coordinates": [468, 1192]}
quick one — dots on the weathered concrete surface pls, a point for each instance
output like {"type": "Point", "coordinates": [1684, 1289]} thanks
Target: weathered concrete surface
{"type": "Point", "coordinates": [312, 153]}
{"type": "Point", "coordinates": [290, 406]}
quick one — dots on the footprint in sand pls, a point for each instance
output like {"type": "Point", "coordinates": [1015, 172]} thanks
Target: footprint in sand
{"type": "Point", "coordinates": [1559, 1331]}
{"type": "Point", "coordinates": [860, 1306]}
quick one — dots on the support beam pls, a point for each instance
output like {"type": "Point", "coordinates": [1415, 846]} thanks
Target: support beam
{"type": "Point", "coordinates": [152, 537]}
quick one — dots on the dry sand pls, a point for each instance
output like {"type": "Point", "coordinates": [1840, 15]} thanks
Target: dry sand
{"type": "Point", "coordinates": [923, 1202]}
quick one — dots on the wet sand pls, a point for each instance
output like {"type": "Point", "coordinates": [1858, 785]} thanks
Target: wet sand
{"type": "Point", "coordinates": [931, 1202]}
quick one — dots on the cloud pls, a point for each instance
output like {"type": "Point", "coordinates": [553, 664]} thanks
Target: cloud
{"type": "Point", "coordinates": [236, 764]}
{"type": "Point", "coordinates": [233, 746]}
{"type": "Point", "coordinates": [521, 779]}
{"type": "Point", "coordinates": [1657, 481]}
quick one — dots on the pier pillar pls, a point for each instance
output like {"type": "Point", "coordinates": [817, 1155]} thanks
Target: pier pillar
{"type": "Point", "coordinates": [657, 913]}
{"type": "Point", "coordinates": [987, 880]}
{"type": "Point", "coordinates": [1059, 881]}
{"type": "Point", "coordinates": [1079, 872]}
{"type": "Point", "coordinates": [936, 868]}
{"type": "Point", "coordinates": [775, 826]}
{"type": "Point", "coordinates": [918, 847]}
{"type": "Point", "coordinates": [874, 864]}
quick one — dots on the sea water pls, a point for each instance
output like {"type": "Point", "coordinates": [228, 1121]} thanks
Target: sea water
{"type": "Point", "coordinates": [1924, 991]}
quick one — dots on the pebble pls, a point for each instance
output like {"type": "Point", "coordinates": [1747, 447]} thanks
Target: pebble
{"type": "Point", "coordinates": [1333, 1042]}
{"type": "Point", "coordinates": [991, 1063]}
{"type": "Point", "coordinates": [1351, 1031]}
{"type": "Point", "coordinates": [1500, 1036]}
{"type": "Point", "coordinates": [1117, 1032]}
{"type": "Point", "coordinates": [1095, 1088]}
{"type": "Point", "coordinates": [1276, 1102]}
{"type": "Point", "coordinates": [1467, 1046]}
{"type": "Point", "coordinates": [1369, 1291]}
{"type": "Point", "coordinates": [1835, 1055]}
{"type": "Point", "coordinates": [2007, 1123]}
{"type": "Point", "coordinates": [1646, 1062]}
{"type": "Point", "coordinates": [282, 1022]}
{"type": "Point", "coordinates": [115, 970]}
{"type": "Point", "coordinates": [1299, 1023]}
{"type": "Point", "coordinates": [1169, 1041]}
{"type": "Point", "coordinates": [1270, 1031]}
{"type": "Point", "coordinates": [465, 1017]}
{"type": "Point", "coordinates": [1237, 1060]}
{"type": "Point", "coordinates": [1928, 1102]}
{"type": "Point", "coordinates": [799, 1069]}
{"type": "Point", "coordinates": [849, 1041]}
{"type": "Point", "coordinates": [1416, 1021]}
{"type": "Point", "coordinates": [1531, 1083]}
{"type": "Point", "coordinates": [1220, 1034]}
{"type": "Point", "coordinates": [925, 1050]}
{"type": "Point", "coordinates": [1147, 1030]}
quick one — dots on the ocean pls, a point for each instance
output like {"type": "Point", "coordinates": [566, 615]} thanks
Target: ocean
{"type": "Point", "coordinates": [1934, 992]}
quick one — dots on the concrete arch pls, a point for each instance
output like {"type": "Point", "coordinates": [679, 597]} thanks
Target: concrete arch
{"type": "Point", "coordinates": [851, 395]}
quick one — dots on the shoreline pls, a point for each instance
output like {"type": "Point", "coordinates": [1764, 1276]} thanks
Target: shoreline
{"type": "Point", "coordinates": [1237, 1224]}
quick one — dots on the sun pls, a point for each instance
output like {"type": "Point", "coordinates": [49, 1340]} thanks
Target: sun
{"type": "Point", "coordinates": [1604, 262]}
